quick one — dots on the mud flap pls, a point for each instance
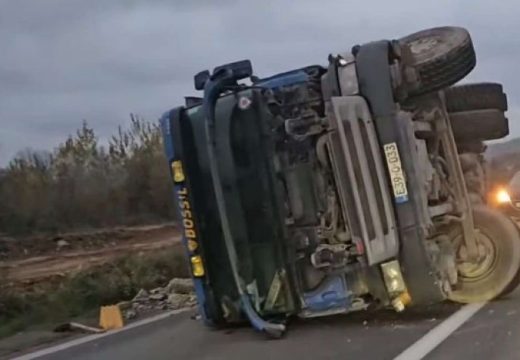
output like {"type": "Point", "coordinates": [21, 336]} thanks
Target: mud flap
{"type": "Point", "coordinates": [376, 87]}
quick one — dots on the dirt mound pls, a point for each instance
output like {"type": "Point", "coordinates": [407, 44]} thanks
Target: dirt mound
{"type": "Point", "coordinates": [45, 244]}
{"type": "Point", "coordinates": [32, 260]}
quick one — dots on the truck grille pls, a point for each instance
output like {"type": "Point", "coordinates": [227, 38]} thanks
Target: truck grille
{"type": "Point", "coordinates": [360, 177]}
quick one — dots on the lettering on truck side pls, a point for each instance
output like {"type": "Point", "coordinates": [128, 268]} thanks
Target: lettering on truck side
{"type": "Point", "coordinates": [187, 218]}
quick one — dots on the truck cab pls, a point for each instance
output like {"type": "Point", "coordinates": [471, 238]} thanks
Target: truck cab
{"type": "Point", "coordinates": [331, 189]}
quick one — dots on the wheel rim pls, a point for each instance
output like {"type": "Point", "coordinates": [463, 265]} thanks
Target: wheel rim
{"type": "Point", "coordinates": [483, 266]}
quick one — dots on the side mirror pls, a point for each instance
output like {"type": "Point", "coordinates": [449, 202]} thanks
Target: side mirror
{"type": "Point", "coordinates": [200, 79]}
{"type": "Point", "coordinates": [240, 69]}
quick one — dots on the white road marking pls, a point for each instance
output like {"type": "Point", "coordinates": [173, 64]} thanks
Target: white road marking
{"type": "Point", "coordinates": [437, 335]}
{"type": "Point", "coordinates": [86, 339]}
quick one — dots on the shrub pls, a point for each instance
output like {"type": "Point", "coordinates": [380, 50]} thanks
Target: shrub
{"type": "Point", "coordinates": [82, 185]}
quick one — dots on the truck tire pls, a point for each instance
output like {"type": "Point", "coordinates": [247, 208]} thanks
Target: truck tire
{"type": "Point", "coordinates": [512, 285]}
{"type": "Point", "coordinates": [487, 124]}
{"type": "Point", "coordinates": [477, 96]}
{"type": "Point", "coordinates": [494, 273]}
{"type": "Point", "coordinates": [516, 280]}
{"type": "Point", "coordinates": [440, 56]}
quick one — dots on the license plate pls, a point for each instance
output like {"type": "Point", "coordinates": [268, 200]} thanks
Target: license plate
{"type": "Point", "coordinates": [395, 169]}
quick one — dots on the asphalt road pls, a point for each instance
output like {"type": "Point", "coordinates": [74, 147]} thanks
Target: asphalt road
{"type": "Point", "coordinates": [492, 333]}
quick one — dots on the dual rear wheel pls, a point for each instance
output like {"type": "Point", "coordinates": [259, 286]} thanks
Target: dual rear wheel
{"type": "Point", "coordinates": [441, 57]}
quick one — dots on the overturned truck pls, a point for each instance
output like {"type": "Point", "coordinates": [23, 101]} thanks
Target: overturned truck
{"type": "Point", "coordinates": [331, 189]}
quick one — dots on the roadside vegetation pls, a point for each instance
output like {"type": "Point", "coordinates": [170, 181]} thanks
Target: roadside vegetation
{"type": "Point", "coordinates": [82, 184]}
{"type": "Point", "coordinates": [81, 294]}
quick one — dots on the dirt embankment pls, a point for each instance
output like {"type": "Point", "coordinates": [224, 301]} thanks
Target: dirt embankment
{"type": "Point", "coordinates": [31, 260]}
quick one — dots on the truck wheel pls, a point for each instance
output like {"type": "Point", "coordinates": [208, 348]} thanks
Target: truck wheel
{"type": "Point", "coordinates": [512, 285]}
{"type": "Point", "coordinates": [492, 274]}
{"type": "Point", "coordinates": [477, 96]}
{"type": "Point", "coordinates": [487, 124]}
{"type": "Point", "coordinates": [441, 57]}
{"type": "Point", "coordinates": [516, 280]}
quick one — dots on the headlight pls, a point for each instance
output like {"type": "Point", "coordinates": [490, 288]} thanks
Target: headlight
{"type": "Point", "coordinates": [503, 197]}
{"type": "Point", "coordinates": [393, 278]}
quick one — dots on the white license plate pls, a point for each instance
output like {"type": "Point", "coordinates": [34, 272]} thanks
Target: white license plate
{"type": "Point", "coordinates": [395, 169]}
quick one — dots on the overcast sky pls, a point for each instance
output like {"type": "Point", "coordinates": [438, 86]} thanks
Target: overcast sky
{"type": "Point", "coordinates": [62, 61]}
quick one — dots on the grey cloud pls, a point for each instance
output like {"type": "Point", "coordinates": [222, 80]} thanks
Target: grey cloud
{"type": "Point", "coordinates": [62, 61]}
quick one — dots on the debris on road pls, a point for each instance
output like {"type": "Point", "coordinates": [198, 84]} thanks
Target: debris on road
{"type": "Point", "coordinates": [142, 295]}
{"type": "Point", "coordinates": [181, 286]}
{"type": "Point", "coordinates": [178, 301]}
{"type": "Point", "coordinates": [130, 314]}
{"type": "Point", "coordinates": [124, 305]}
{"type": "Point", "coordinates": [158, 296]}
{"type": "Point", "coordinates": [74, 326]}
{"type": "Point", "coordinates": [178, 294]}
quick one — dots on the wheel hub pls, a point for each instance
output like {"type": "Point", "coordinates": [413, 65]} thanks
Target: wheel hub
{"type": "Point", "coordinates": [483, 265]}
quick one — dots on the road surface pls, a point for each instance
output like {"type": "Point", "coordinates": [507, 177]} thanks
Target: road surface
{"type": "Point", "coordinates": [492, 332]}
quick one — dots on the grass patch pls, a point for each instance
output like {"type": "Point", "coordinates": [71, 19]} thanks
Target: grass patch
{"type": "Point", "coordinates": [85, 292]}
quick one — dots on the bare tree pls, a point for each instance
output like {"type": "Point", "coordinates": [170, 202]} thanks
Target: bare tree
{"type": "Point", "coordinates": [80, 184]}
